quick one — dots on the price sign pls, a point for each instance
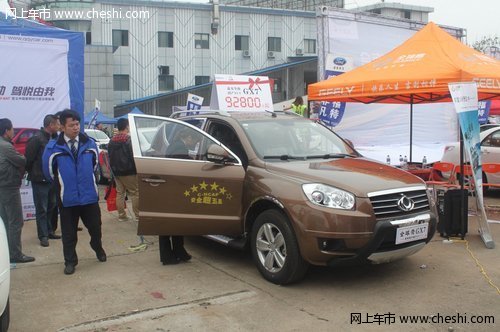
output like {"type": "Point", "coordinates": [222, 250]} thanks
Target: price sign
{"type": "Point", "coordinates": [241, 93]}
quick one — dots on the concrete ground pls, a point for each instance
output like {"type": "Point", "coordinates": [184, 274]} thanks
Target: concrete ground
{"type": "Point", "coordinates": [221, 290]}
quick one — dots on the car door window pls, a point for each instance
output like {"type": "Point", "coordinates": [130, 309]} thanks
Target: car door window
{"type": "Point", "coordinates": [492, 140]}
{"type": "Point", "coordinates": [172, 139]}
{"type": "Point", "coordinates": [227, 136]}
{"type": "Point", "coordinates": [26, 135]}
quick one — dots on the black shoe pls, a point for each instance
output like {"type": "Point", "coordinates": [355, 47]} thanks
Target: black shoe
{"type": "Point", "coordinates": [170, 261]}
{"type": "Point", "coordinates": [54, 236]}
{"type": "Point", "coordinates": [182, 254]}
{"type": "Point", "coordinates": [101, 255]}
{"type": "Point", "coordinates": [44, 242]}
{"type": "Point", "coordinates": [23, 259]}
{"type": "Point", "coordinates": [69, 269]}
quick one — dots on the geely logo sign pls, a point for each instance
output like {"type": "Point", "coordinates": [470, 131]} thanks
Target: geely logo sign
{"type": "Point", "coordinates": [406, 204]}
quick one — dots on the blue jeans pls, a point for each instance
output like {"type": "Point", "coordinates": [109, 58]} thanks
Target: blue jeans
{"type": "Point", "coordinates": [45, 203]}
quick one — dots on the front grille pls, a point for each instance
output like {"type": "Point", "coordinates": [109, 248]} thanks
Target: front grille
{"type": "Point", "coordinates": [386, 206]}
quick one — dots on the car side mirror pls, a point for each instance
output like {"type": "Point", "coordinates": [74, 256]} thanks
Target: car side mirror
{"type": "Point", "coordinates": [103, 146]}
{"type": "Point", "coordinates": [217, 154]}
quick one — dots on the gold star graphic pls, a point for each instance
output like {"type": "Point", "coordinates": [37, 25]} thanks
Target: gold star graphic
{"type": "Point", "coordinates": [214, 186]}
{"type": "Point", "coordinates": [229, 196]}
{"type": "Point", "coordinates": [194, 188]}
{"type": "Point", "coordinates": [223, 190]}
{"type": "Point", "coordinates": [186, 193]}
{"type": "Point", "coordinates": [203, 185]}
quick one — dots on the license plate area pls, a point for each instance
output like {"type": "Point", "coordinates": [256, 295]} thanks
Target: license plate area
{"type": "Point", "coordinates": [412, 233]}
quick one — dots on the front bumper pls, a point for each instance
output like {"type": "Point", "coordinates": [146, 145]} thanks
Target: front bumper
{"type": "Point", "coordinates": [382, 248]}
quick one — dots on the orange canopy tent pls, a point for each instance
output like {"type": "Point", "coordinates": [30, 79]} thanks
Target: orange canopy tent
{"type": "Point", "coordinates": [417, 71]}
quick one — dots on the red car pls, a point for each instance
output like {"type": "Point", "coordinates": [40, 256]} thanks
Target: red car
{"type": "Point", "coordinates": [21, 137]}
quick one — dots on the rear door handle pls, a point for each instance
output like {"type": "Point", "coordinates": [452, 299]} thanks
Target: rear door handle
{"type": "Point", "coordinates": [153, 181]}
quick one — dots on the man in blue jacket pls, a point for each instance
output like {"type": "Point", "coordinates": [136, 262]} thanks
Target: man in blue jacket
{"type": "Point", "coordinates": [71, 161]}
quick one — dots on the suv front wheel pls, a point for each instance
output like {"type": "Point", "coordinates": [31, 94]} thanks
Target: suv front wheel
{"type": "Point", "coordinates": [275, 249]}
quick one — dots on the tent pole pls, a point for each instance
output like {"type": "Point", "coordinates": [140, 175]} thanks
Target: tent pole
{"type": "Point", "coordinates": [411, 127]}
{"type": "Point", "coordinates": [463, 213]}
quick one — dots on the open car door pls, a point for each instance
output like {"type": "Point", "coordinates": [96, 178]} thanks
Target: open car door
{"type": "Point", "coordinates": [188, 183]}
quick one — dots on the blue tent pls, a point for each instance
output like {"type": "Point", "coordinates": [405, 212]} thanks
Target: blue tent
{"type": "Point", "coordinates": [101, 118]}
{"type": "Point", "coordinates": [135, 110]}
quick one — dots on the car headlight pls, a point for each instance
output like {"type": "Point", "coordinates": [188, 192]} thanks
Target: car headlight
{"type": "Point", "coordinates": [327, 196]}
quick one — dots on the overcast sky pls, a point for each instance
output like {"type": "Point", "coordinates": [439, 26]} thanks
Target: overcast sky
{"type": "Point", "coordinates": [480, 17]}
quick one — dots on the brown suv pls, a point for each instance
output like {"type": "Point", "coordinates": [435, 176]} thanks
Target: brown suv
{"type": "Point", "coordinates": [290, 188]}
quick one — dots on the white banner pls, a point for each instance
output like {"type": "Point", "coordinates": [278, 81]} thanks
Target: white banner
{"type": "Point", "coordinates": [33, 78]}
{"type": "Point", "coordinates": [241, 93]}
{"type": "Point", "coordinates": [194, 102]}
{"type": "Point", "coordinates": [27, 201]}
{"type": "Point", "coordinates": [465, 99]}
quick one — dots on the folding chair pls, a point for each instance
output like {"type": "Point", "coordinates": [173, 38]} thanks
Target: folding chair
{"type": "Point", "coordinates": [436, 176]}
{"type": "Point", "coordinates": [491, 168]}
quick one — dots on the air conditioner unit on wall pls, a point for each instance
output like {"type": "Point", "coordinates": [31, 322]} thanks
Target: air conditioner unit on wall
{"type": "Point", "coordinates": [246, 53]}
{"type": "Point", "coordinates": [299, 52]}
{"type": "Point", "coordinates": [270, 54]}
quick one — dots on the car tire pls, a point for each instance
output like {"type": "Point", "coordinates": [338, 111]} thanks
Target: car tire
{"type": "Point", "coordinates": [5, 318]}
{"type": "Point", "coordinates": [275, 249]}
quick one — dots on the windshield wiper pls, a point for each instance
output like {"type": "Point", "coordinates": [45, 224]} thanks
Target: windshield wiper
{"type": "Point", "coordinates": [331, 155]}
{"type": "Point", "coordinates": [284, 157]}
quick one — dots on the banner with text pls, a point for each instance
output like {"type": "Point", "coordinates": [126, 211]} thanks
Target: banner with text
{"type": "Point", "coordinates": [194, 102]}
{"type": "Point", "coordinates": [241, 93]}
{"type": "Point", "coordinates": [331, 113]}
{"type": "Point", "coordinates": [34, 80]}
{"type": "Point", "coordinates": [465, 99]}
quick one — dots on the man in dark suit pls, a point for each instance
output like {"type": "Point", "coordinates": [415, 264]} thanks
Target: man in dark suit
{"type": "Point", "coordinates": [71, 161]}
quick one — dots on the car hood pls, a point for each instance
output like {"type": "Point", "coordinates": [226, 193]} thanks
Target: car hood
{"type": "Point", "coordinates": [359, 176]}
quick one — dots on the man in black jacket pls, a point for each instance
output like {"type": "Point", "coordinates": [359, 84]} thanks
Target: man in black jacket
{"type": "Point", "coordinates": [121, 160]}
{"type": "Point", "coordinates": [44, 194]}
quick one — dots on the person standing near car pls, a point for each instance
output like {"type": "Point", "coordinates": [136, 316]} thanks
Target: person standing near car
{"type": "Point", "coordinates": [12, 165]}
{"type": "Point", "coordinates": [121, 160]}
{"type": "Point", "coordinates": [71, 161]}
{"type": "Point", "coordinates": [172, 252]}
{"type": "Point", "coordinates": [43, 191]}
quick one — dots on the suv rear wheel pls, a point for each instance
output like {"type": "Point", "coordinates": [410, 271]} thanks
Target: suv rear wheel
{"type": "Point", "coordinates": [275, 249]}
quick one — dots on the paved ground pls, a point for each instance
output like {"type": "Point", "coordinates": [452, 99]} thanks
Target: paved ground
{"type": "Point", "coordinates": [221, 290]}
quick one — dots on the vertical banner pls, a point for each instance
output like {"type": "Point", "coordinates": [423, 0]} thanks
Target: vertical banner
{"type": "Point", "coordinates": [331, 113]}
{"type": "Point", "coordinates": [194, 102]}
{"type": "Point", "coordinates": [465, 99]}
{"type": "Point", "coordinates": [241, 93]}
{"type": "Point", "coordinates": [27, 201]}
{"type": "Point", "coordinates": [484, 111]}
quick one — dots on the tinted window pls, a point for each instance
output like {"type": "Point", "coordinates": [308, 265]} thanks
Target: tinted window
{"type": "Point", "coordinates": [492, 139]}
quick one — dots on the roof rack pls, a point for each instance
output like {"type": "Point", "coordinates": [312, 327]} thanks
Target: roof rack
{"type": "Point", "coordinates": [179, 114]}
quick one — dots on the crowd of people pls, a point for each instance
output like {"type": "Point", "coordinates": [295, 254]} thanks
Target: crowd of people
{"type": "Point", "coordinates": [62, 164]}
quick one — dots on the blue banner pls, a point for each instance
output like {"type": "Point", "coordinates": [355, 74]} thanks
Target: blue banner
{"type": "Point", "coordinates": [331, 113]}
{"type": "Point", "coordinates": [484, 111]}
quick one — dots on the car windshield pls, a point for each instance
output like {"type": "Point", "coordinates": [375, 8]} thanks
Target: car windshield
{"type": "Point", "coordinates": [293, 139]}
{"type": "Point", "coordinates": [97, 135]}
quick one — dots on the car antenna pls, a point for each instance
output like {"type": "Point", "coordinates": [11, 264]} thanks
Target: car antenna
{"type": "Point", "coordinates": [273, 113]}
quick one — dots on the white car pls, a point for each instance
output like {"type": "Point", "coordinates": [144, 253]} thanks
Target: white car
{"type": "Point", "coordinates": [99, 136]}
{"type": "Point", "coordinates": [4, 279]}
{"type": "Point", "coordinates": [490, 152]}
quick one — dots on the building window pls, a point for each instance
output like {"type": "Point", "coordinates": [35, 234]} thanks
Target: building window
{"type": "Point", "coordinates": [276, 85]}
{"type": "Point", "coordinates": [120, 38]}
{"type": "Point", "coordinates": [165, 82]}
{"type": "Point", "coordinates": [407, 14]}
{"type": "Point", "coordinates": [163, 70]}
{"type": "Point", "coordinates": [241, 43]}
{"type": "Point", "coordinates": [198, 80]}
{"type": "Point", "coordinates": [201, 40]}
{"type": "Point", "coordinates": [165, 39]}
{"type": "Point", "coordinates": [88, 38]}
{"type": "Point", "coordinates": [121, 83]}
{"type": "Point", "coordinates": [377, 11]}
{"type": "Point", "coordinates": [274, 44]}
{"type": "Point", "coordinates": [310, 46]}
